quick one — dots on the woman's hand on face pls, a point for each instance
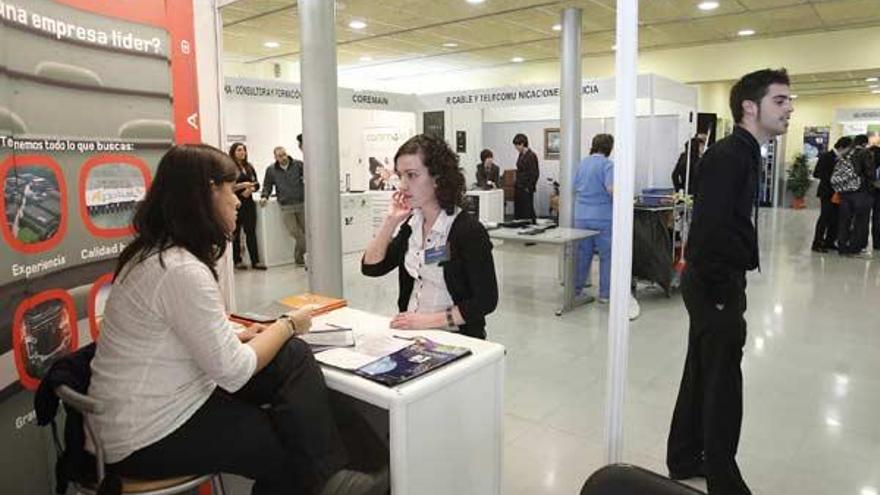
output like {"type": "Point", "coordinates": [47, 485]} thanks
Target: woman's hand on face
{"type": "Point", "coordinates": [399, 207]}
{"type": "Point", "coordinates": [412, 321]}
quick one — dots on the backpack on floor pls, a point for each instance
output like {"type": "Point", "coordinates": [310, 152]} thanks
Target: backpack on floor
{"type": "Point", "coordinates": [844, 177]}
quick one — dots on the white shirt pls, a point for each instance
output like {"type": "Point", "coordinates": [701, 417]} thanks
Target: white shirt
{"type": "Point", "coordinates": [165, 344]}
{"type": "Point", "coordinates": [429, 294]}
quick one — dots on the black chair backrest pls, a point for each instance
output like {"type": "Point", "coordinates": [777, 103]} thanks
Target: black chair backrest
{"type": "Point", "coordinates": [624, 479]}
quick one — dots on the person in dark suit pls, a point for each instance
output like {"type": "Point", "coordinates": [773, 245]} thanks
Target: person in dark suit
{"type": "Point", "coordinates": [526, 179]}
{"type": "Point", "coordinates": [722, 247]}
{"type": "Point", "coordinates": [825, 237]}
{"type": "Point", "coordinates": [874, 149]}
{"type": "Point", "coordinates": [855, 205]}
{"type": "Point", "coordinates": [487, 172]}
{"type": "Point", "coordinates": [681, 174]}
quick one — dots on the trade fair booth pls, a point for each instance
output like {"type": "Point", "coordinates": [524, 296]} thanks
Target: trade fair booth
{"type": "Point", "coordinates": [264, 114]}
{"type": "Point", "coordinates": [490, 118]}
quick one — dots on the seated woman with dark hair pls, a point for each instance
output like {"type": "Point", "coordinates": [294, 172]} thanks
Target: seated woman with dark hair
{"type": "Point", "coordinates": [443, 255]}
{"type": "Point", "coordinates": [185, 394]}
{"type": "Point", "coordinates": [488, 172]}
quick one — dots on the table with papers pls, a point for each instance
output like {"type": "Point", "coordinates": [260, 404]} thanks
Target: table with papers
{"type": "Point", "coordinates": [445, 428]}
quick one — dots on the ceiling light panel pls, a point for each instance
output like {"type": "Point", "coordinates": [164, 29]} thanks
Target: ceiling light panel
{"type": "Point", "coordinates": [708, 6]}
{"type": "Point", "coordinates": [679, 10]}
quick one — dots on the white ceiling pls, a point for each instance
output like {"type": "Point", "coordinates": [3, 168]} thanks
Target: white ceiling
{"type": "Point", "coordinates": [406, 37]}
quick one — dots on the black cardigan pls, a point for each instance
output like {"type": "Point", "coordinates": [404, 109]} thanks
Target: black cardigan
{"type": "Point", "coordinates": [469, 274]}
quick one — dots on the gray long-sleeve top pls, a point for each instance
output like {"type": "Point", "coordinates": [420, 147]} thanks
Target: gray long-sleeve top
{"type": "Point", "coordinates": [289, 182]}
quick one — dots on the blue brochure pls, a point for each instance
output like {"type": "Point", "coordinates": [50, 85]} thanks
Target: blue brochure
{"type": "Point", "coordinates": [410, 362]}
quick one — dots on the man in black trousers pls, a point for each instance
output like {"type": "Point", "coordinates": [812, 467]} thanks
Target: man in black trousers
{"type": "Point", "coordinates": [526, 179]}
{"type": "Point", "coordinates": [825, 237]}
{"type": "Point", "coordinates": [856, 203]}
{"type": "Point", "coordinates": [874, 149]}
{"type": "Point", "coordinates": [722, 247]}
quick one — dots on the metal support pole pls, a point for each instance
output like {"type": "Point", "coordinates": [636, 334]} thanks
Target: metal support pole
{"type": "Point", "coordinates": [320, 118]}
{"type": "Point", "coordinates": [652, 131]}
{"type": "Point", "coordinates": [226, 271]}
{"type": "Point", "coordinates": [570, 111]}
{"type": "Point", "coordinates": [621, 248]}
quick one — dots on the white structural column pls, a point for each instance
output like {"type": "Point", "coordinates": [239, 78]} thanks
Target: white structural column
{"type": "Point", "coordinates": [226, 268]}
{"type": "Point", "coordinates": [570, 110]}
{"type": "Point", "coordinates": [320, 117]}
{"type": "Point", "coordinates": [621, 248]}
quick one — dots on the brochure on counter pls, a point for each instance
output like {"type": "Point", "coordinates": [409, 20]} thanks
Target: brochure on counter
{"type": "Point", "coordinates": [391, 360]}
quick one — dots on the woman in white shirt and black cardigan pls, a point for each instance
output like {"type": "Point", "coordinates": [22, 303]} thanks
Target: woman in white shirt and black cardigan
{"type": "Point", "coordinates": [444, 258]}
{"type": "Point", "coordinates": [185, 394]}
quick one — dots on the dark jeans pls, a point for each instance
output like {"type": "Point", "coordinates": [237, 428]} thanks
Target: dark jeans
{"type": "Point", "coordinates": [247, 220]}
{"type": "Point", "coordinates": [826, 225]}
{"type": "Point", "coordinates": [855, 210]}
{"type": "Point", "coordinates": [290, 447]}
{"type": "Point", "coordinates": [708, 412]}
{"type": "Point", "coordinates": [875, 220]}
{"type": "Point", "coordinates": [523, 204]}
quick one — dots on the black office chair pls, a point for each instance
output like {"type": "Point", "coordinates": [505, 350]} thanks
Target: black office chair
{"type": "Point", "coordinates": [624, 479]}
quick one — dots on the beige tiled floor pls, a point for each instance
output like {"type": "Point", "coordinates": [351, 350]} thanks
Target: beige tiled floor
{"type": "Point", "coordinates": [811, 367]}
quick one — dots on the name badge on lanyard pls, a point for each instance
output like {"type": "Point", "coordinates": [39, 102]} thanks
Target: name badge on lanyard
{"type": "Point", "coordinates": [437, 254]}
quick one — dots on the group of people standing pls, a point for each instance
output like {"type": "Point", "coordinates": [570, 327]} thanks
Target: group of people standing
{"type": "Point", "coordinates": [286, 175]}
{"type": "Point", "coordinates": [849, 194]}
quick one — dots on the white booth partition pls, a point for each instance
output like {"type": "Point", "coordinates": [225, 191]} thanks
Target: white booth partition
{"type": "Point", "coordinates": [854, 121]}
{"type": "Point", "coordinates": [492, 117]}
{"type": "Point", "coordinates": [265, 114]}
{"type": "Point", "coordinates": [372, 125]}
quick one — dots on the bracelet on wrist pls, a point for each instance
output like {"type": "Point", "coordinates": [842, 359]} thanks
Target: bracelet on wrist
{"type": "Point", "coordinates": [289, 325]}
{"type": "Point", "coordinates": [450, 321]}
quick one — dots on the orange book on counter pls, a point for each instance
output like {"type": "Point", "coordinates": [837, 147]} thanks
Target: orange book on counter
{"type": "Point", "coordinates": [325, 304]}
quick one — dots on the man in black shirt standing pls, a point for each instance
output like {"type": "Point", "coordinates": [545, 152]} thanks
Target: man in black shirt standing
{"type": "Point", "coordinates": [722, 247]}
{"type": "Point", "coordinates": [526, 179]}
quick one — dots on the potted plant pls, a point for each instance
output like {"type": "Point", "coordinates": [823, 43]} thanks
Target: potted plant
{"type": "Point", "coordinates": [798, 180]}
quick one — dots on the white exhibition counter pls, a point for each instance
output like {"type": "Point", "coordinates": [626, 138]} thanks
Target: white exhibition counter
{"type": "Point", "coordinates": [445, 429]}
{"type": "Point", "coordinates": [490, 204]}
{"type": "Point", "coordinates": [273, 240]}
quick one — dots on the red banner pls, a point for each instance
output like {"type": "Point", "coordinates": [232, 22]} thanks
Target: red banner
{"type": "Point", "coordinates": [185, 86]}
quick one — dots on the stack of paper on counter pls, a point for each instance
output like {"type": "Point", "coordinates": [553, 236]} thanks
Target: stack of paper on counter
{"type": "Point", "coordinates": [324, 336]}
{"type": "Point", "coordinates": [369, 348]}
